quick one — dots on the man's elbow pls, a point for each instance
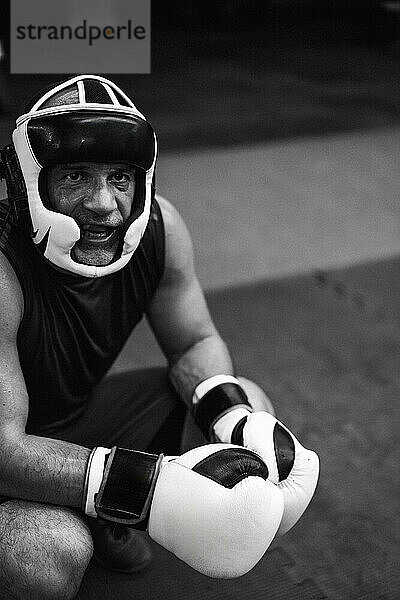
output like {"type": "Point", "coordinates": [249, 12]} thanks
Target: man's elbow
{"type": "Point", "coordinates": [12, 443]}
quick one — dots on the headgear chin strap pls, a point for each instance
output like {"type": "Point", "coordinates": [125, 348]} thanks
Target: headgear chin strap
{"type": "Point", "coordinates": [86, 119]}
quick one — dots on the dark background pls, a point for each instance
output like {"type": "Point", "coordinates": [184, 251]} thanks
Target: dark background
{"type": "Point", "coordinates": [238, 70]}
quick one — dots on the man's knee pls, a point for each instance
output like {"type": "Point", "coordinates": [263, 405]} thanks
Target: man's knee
{"type": "Point", "coordinates": [71, 557]}
{"type": "Point", "coordinates": [44, 551]}
{"type": "Point", "coordinates": [54, 583]}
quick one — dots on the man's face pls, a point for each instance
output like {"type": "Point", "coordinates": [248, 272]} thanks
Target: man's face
{"type": "Point", "coordinates": [98, 196]}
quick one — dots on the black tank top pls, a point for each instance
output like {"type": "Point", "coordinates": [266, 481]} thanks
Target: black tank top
{"type": "Point", "coordinates": [73, 327]}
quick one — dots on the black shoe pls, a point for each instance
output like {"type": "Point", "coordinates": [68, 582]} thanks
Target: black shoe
{"type": "Point", "coordinates": [119, 548]}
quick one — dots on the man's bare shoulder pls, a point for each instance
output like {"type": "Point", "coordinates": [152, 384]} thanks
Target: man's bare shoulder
{"type": "Point", "coordinates": [179, 248]}
{"type": "Point", "coordinates": [172, 218]}
{"type": "Point", "coordinates": [11, 297]}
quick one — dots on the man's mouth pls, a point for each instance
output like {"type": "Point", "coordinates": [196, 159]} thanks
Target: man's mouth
{"type": "Point", "coordinates": [97, 233]}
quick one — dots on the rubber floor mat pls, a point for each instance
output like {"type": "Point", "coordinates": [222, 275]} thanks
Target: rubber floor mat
{"type": "Point", "coordinates": [326, 347]}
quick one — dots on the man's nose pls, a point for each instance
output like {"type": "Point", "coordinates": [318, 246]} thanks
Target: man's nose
{"type": "Point", "coordinates": [101, 199]}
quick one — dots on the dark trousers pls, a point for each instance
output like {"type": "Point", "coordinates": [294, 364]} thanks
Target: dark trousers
{"type": "Point", "coordinates": [132, 409]}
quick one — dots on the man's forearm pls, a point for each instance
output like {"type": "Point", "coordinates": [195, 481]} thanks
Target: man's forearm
{"type": "Point", "coordinates": [53, 471]}
{"type": "Point", "coordinates": [204, 359]}
{"type": "Point", "coordinates": [43, 470]}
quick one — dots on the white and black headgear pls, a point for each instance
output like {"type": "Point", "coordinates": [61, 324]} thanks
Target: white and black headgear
{"type": "Point", "coordinates": [87, 118]}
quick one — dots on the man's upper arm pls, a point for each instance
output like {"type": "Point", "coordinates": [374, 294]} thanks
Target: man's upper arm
{"type": "Point", "coordinates": [13, 394]}
{"type": "Point", "coordinates": [178, 313]}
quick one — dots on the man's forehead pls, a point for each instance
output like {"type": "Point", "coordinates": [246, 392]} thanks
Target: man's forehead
{"type": "Point", "coordinates": [88, 166]}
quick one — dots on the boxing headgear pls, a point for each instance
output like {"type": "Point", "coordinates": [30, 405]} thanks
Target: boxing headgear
{"type": "Point", "coordinates": [86, 119]}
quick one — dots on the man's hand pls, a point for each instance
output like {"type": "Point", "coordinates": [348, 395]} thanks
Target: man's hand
{"type": "Point", "coordinates": [213, 507]}
{"type": "Point", "coordinates": [225, 415]}
{"type": "Point", "coordinates": [293, 468]}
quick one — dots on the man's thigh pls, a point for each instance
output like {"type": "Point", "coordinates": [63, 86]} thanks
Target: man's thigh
{"type": "Point", "coordinates": [136, 409]}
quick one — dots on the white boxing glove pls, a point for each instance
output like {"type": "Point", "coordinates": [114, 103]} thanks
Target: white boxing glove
{"type": "Point", "coordinates": [213, 507]}
{"type": "Point", "coordinates": [292, 467]}
{"type": "Point", "coordinates": [224, 414]}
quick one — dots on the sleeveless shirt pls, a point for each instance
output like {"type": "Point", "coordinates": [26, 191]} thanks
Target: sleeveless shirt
{"type": "Point", "coordinates": [73, 327]}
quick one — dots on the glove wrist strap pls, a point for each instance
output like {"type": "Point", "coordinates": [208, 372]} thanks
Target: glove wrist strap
{"type": "Point", "coordinates": [217, 401]}
{"type": "Point", "coordinates": [127, 487]}
{"type": "Point", "coordinates": [208, 384]}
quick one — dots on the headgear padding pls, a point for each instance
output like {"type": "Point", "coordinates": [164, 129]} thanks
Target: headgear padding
{"type": "Point", "coordinates": [86, 119]}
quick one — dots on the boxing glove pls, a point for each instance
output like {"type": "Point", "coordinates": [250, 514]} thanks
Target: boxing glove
{"type": "Point", "coordinates": [213, 507]}
{"type": "Point", "coordinates": [224, 414]}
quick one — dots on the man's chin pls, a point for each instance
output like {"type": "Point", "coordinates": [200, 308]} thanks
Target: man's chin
{"type": "Point", "coordinates": [97, 257]}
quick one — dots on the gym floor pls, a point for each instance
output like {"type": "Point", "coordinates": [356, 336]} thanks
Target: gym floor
{"type": "Point", "coordinates": [279, 144]}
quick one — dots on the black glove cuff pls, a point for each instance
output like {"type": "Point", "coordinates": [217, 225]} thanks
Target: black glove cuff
{"type": "Point", "coordinates": [127, 487]}
{"type": "Point", "coordinates": [215, 403]}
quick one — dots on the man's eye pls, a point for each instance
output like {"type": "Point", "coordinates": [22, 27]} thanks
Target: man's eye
{"type": "Point", "coordinates": [74, 177]}
{"type": "Point", "coordinates": [120, 177]}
